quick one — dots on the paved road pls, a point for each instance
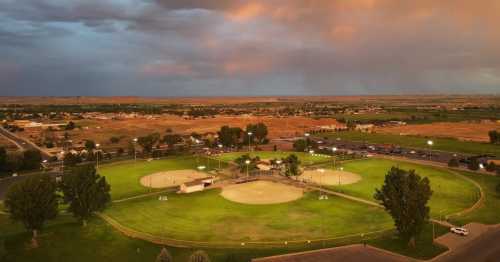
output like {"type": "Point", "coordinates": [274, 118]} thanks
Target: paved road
{"type": "Point", "coordinates": [485, 248]}
{"type": "Point", "coordinates": [22, 143]}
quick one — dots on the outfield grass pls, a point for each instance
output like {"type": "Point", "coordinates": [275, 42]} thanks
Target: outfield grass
{"type": "Point", "coordinates": [305, 158]}
{"type": "Point", "coordinates": [441, 144]}
{"type": "Point", "coordinates": [206, 216]}
{"type": "Point", "coordinates": [124, 176]}
{"type": "Point", "coordinates": [489, 211]}
{"type": "Point", "coordinates": [451, 193]}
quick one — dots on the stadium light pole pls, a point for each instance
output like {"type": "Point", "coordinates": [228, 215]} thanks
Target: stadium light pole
{"type": "Point", "coordinates": [248, 163]}
{"type": "Point", "coordinates": [430, 143]}
{"type": "Point", "coordinates": [340, 174]}
{"type": "Point", "coordinates": [311, 152]}
{"type": "Point", "coordinates": [279, 166]}
{"type": "Point", "coordinates": [334, 156]}
{"type": "Point", "coordinates": [135, 150]}
{"type": "Point", "coordinates": [97, 159]}
{"type": "Point", "coordinates": [220, 146]}
{"type": "Point", "coordinates": [249, 140]}
{"type": "Point", "coordinates": [307, 140]}
{"type": "Point", "coordinates": [62, 162]}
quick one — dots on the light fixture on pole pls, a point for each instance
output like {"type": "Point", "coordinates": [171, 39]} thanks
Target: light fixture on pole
{"type": "Point", "coordinates": [307, 140]}
{"type": "Point", "coordinates": [430, 143]}
{"type": "Point", "coordinates": [97, 159]}
{"type": "Point", "coordinates": [248, 163]}
{"type": "Point", "coordinates": [334, 156]}
{"type": "Point", "coordinates": [135, 151]}
{"type": "Point", "coordinates": [249, 140]}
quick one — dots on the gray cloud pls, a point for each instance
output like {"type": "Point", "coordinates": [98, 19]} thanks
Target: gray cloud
{"type": "Point", "coordinates": [189, 47]}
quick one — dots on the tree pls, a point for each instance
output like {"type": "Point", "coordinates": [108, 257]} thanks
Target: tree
{"type": "Point", "coordinates": [89, 145]}
{"type": "Point", "coordinates": [199, 256]}
{"type": "Point", "coordinates": [259, 133]}
{"type": "Point", "coordinates": [71, 159]}
{"type": "Point", "coordinates": [300, 145]}
{"type": "Point", "coordinates": [292, 164]}
{"type": "Point", "coordinates": [70, 126]}
{"type": "Point", "coordinates": [241, 162]}
{"type": "Point", "coordinates": [491, 167]}
{"type": "Point", "coordinates": [32, 202]}
{"type": "Point", "coordinates": [147, 142]}
{"type": "Point", "coordinates": [114, 140]}
{"type": "Point", "coordinates": [405, 195]}
{"type": "Point", "coordinates": [473, 164]}
{"type": "Point", "coordinates": [172, 139]}
{"type": "Point", "coordinates": [31, 159]}
{"type": "Point", "coordinates": [85, 191]}
{"type": "Point", "coordinates": [453, 162]}
{"type": "Point", "coordinates": [164, 256]}
{"type": "Point", "coordinates": [229, 136]}
{"type": "Point", "coordinates": [3, 159]}
{"type": "Point", "coordinates": [494, 136]}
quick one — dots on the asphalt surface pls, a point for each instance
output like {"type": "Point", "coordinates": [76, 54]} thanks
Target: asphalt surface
{"type": "Point", "coordinates": [486, 248]}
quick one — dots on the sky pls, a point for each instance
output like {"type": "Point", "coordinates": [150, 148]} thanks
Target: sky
{"type": "Point", "coordinates": [248, 48]}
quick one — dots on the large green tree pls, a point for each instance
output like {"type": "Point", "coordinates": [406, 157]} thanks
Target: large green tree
{"type": "Point", "coordinates": [147, 142]}
{"type": "Point", "coordinates": [32, 202]}
{"type": "Point", "coordinates": [85, 191]}
{"type": "Point", "coordinates": [300, 145]}
{"type": "Point", "coordinates": [3, 159]}
{"type": "Point", "coordinates": [494, 136]}
{"type": "Point", "coordinates": [292, 165]}
{"type": "Point", "coordinates": [243, 166]}
{"type": "Point", "coordinates": [405, 196]}
{"type": "Point", "coordinates": [229, 136]}
{"type": "Point", "coordinates": [31, 159]}
{"type": "Point", "coordinates": [172, 139]}
{"type": "Point", "coordinates": [259, 133]}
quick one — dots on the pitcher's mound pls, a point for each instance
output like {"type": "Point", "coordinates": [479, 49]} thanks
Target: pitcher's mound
{"type": "Point", "coordinates": [170, 178]}
{"type": "Point", "coordinates": [329, 177]}
{"type": "Point", "coordinates": [261, 192]}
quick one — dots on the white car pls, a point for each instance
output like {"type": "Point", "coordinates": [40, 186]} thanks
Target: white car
{"type": "Point", "coordinates": [460, 231]}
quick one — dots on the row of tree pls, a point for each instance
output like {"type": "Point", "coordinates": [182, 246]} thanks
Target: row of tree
{"type": "Point", "coordinates": [36, 199]}
{"type": "Point", "coordinates": [19, 161]}
{"type": "Point", "coordinates": [494, 136]}
{"type": "Point", "coordinates": [235, 136]}
{"type": "Point", "coordinates": [290, 165]}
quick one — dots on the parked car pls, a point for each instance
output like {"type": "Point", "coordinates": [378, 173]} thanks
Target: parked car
{"type": "Point", "coordinates": [460, 231]}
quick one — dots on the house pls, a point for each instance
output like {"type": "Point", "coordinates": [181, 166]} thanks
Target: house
{"type": "Point", "coordinates": [365, 127]}
{"type": "Point", "coordinates": [196, 185]}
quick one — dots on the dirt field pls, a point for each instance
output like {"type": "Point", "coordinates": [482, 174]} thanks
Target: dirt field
{"type": "Point", "coordinates": [102, 130]}
{"type": "Point", "coordinates": [261, 193]}
{"type": "Point", "coordinates": [330, 177]}
{"type": "Point", "coordinates": [466, 131]}
{"type": "Point", "coordinates": [170, 178]}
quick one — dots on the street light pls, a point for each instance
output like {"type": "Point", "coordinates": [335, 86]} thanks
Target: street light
{"type": "Point", "coordinates": [340, 174]}
{"type": "Point", "coordinates": [62, 162]}
{"type": "Point", "coordinates": [97, 162]}
{"type": "Point", "coordinates": [220, 146]}
{"type": "Point", "coordinates": [430, 143]}
{"type": "Point", "coordinates": [334, 156]}
{"type": "Point", "coordinates": [248, 163]}
{"type": "Point", "coordinates": [249, 140]}
{"type": "Point", "coordinates": [135, 151]}
{"type": "Point", "coordinates": [307, 140]}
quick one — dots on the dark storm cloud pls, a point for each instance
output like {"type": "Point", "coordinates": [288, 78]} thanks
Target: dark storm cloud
{"type": "Point", "coordinates": [271, 47]}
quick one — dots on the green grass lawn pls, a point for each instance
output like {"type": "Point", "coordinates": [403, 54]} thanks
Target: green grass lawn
{"type": "Point", "coordinates": [451, 193]}
{"type": "Point", "coordinates": [305, 158]}
{"type": "Point", "coordinates": [124, 176]}
{"type": "Point", "coordinates": [441, 144]}
{"type": "Point", "coordinates": [206, 216]}
{"type": "Point", "coordinates": [489, 212]}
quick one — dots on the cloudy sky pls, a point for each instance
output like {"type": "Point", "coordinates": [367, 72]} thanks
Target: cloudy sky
{"type": "Point", "coordinates": [257, 48]}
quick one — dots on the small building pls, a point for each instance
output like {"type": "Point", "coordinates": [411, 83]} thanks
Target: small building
{"type": "Point", "coordinates": [196, 185]}
{"type": "Point", "coordinates": [365, 128]}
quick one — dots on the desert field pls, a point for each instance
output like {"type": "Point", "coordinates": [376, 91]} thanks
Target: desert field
{"type": "Point", "coordinates": [466, 131]}
{"type": "Point", "coordinates": [102, 130]}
